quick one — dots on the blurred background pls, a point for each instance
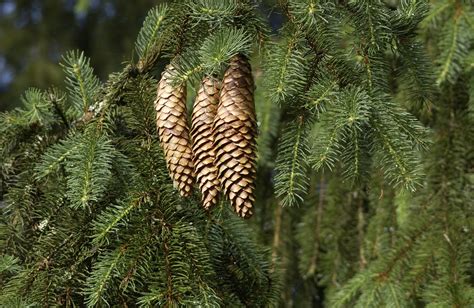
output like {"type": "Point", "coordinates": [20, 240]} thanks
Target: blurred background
{"type": "Point", "coordinates": [34, 34]}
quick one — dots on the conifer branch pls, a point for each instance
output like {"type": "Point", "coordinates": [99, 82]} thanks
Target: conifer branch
{"type": "Point", "coordinates": [291, 179]}
{"type": "Point", "coordinates": [82, 84]}
{"type": "Point", "coordinates": [276, 234]}
{"type": "Point", "coordinates": [58, 109]}
{"type": "Point", "coordinates": [104, 271]}
{"type": "Point", "coordinates": [114, 218]}
{"type": "Point", "coordinates": [317, 229]}
{"type": "Point", "coordinates": [451, 50]}
{"type": "Point", "coordinates": [54, 157]}
{"type": "Point", "coordinates": [361, 233]}
{"type": "Point", "coordinates": [89, 171]}
{"type": "Point", "coordinates": [149, 37]}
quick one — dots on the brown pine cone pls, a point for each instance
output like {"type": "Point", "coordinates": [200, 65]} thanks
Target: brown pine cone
{"type": "Point", "coordinates": [173, 131]}
{"type": "Point", "coordinates": [235, 131]}
{"type": "Point", "coordinates": [204, 112]}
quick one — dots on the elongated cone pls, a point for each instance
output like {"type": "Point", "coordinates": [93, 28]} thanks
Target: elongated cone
{"type": "Point", "coordinates": [173, 131]}
{"type": "Point", "coordinates": [235, 130]}
{"type": "Point", "coordinates": [204, 112]}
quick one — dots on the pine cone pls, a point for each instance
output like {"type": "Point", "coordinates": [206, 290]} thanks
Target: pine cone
{"type": "Point", "coordinates": [204, 112]}
{"type": "Point", "coordinates": [235, 130]}
{"type": "Point", "coordinates": [173, 131]}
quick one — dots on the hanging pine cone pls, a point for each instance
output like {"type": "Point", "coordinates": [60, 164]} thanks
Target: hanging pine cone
{"type": "Point", "coordinates": [204, 112]}
{"type": "Point", "coordinates": [173, 131]}
{"type": "Point", "coordinates": [234, 131]}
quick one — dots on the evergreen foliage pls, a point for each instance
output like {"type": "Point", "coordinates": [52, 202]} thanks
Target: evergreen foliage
{"type": "Point", "coordinates": [363, 239]}
{"type": "Point", "coordinates": [81, 82]}
{"type": "Point", "coordinates": [291, 179]}
{"type": "Point", "coordinates": [366, 135]}
{"type": "Point", "coordinates": [91, 217]}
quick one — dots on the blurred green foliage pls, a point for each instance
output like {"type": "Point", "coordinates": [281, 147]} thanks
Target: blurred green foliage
{"type": "Point", "coordinates": [35, 34]}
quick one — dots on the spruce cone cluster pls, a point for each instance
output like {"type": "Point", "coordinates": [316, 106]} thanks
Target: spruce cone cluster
{"type": "Point", "coordinates": [224, 129]}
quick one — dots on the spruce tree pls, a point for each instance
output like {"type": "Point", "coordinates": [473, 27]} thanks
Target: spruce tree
{"type": "Point", "coordinates": [363, 183]}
